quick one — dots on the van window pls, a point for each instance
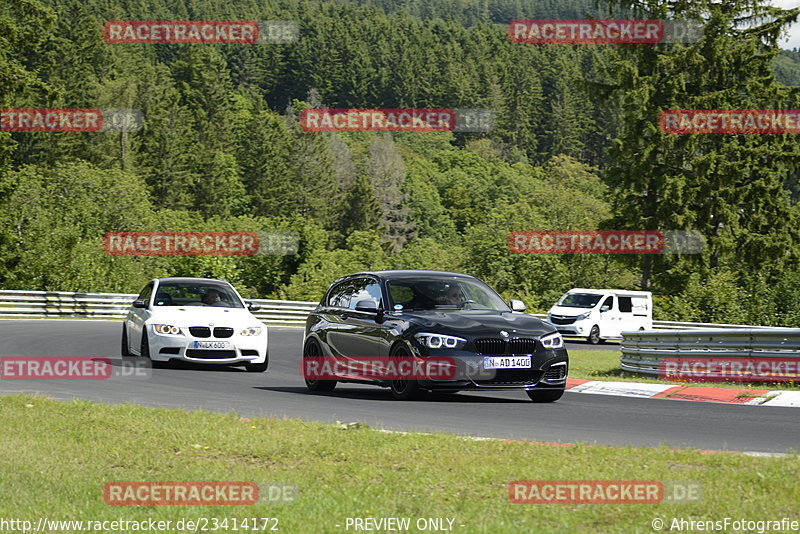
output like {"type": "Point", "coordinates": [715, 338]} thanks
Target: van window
{"type": "Point", "coordinates": [625, 304]}
{"type": "Point", "coordinates": [608, 302]}
{"type": "Point", "coordinates": [579, 300]}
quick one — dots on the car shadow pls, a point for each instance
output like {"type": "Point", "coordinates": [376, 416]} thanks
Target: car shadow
{"type": "Point", "coordinates": [175, 364]}
{"type": "Point", "coordinates": [383, 394]}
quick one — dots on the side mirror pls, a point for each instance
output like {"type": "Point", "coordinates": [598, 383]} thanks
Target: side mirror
{"type": "Point", "coordinates": [367, 305]}
{"type": "Point", "coordinates": [139, 303]}
{"type": "Point", "coordinates": [604, 308]}
{"type": "Point", "coordinates": [252, 306]}
{"type": "Point", "coordinates": [517, 305]}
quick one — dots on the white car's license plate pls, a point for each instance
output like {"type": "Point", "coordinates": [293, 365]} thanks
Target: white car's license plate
{"type": "Point", "coordinates": [212, 344]}
{"type": "Point", "coordinates": [507, 362]}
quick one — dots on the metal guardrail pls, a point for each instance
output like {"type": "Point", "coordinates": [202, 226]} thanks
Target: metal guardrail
{"type": "Point", "coordinates": [57, 304]}
{"type": "Point", "coordinates": [16, 303]}
{"type": "Point", "coordinates": [642, 352]}
{"type": "Point", "coordinates": [675, 325]}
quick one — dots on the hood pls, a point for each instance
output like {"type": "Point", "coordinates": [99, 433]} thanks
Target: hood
{"type": "Point", "coordinates": [480, 323]}
{"type": "Point", "coordinates": [203, 315]}
{"type": "Point", "coordinates": [568, 311]}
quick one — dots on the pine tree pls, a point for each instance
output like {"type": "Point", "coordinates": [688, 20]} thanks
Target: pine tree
{"type": "Point", "coordinates": [387, 173]}
{"type": "Point", "coordinates": [727, 186]}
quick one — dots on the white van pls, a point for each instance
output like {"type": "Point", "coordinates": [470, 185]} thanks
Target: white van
{"type": "Point", "coordinates": [600, 314]}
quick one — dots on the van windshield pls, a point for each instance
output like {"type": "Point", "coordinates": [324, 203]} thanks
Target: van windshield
{"type": "Point", "coordinates": [580, 300]}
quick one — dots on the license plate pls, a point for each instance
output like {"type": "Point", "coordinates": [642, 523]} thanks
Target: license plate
{"type": "Point", "coordinates": [212, 344]}
{"type": "Point", "coordinates": [507, 362]}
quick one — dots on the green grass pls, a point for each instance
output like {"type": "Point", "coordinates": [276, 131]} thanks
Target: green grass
{"type": "Point", "coordinates": [604, 365]}
{"type": "Point", "coordinates": [58, 456]}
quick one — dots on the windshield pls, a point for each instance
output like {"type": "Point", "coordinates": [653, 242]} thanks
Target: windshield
{"type": "Point", "coordinates": [214, 294]}
{"type": "Point", "coordinates": [444, 295]}
{"type": "Point", "coordinates": [579, 300]}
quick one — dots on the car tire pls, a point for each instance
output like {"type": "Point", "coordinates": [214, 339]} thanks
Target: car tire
{"type": "Point", "coordinates": [594, 335]}
{"type": "Point", "coordinates": [144, 346]}
{"type": "Point", "coordinates": [313, 350]}
{"type": "Point", "coordinates": [124, 350]}
{"type": "Point", "coordinates": [545, 395]}
{"type": "Point", "coordinates": [144, 351]}
{"type": "Point", "coordinates": [403, 389]}
{"type": "Point", "coordinates": [257, 367]}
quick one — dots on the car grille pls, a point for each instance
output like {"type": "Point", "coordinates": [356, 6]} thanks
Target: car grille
{"type": "Point", "coordinates": [562, 319]}
{"type": "Point", "coordinates": [513, 377]}
{"type": "Point", "coordinates": [204, 331]}
{"type": "Point", "coordinates": [556, 373]}
{"type": "Point", "coordinates": [210, 354]}
{"type": "Point", "coordinates": [200, 331]}
{"type": "Point", "coordinates": [490, 346]}
{"type": "Point", "coordinates": [223, 331]}
{"type": "Point", "coordinates": [501, 346]}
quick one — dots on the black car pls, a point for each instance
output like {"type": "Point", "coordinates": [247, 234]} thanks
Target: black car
{"type": "Point", "coordinates": [430, 318]}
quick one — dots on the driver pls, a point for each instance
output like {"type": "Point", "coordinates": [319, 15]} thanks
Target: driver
{"type": "Point", "coordinates": [211, 297]}
{"type": "Point", "coordinates": [452, 295]}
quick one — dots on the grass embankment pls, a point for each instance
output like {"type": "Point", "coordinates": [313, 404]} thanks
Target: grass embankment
{"type": "Point", "coordinates": [604, 365]}
{"type": "Point", "coordinates": [58, 456]}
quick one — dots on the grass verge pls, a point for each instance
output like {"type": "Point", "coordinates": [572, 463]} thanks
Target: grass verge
{"type": "Point", "coordinates": [59, 455]}
{"type": "Point", "coordinates": [604, 365]}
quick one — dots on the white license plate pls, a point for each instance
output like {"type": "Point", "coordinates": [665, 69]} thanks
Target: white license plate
{"type": "Point", "coordinates": [212, 344]}
{"type": "Point", "coordinates": [507, 362]}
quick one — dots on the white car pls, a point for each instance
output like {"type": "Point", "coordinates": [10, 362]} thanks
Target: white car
{"type": "Point", "coordinates": [600, 314]}
{"type": "Point", "coordinates": [195, 320]}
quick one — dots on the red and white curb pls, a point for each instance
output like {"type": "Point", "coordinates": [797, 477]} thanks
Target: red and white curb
{"type": "Point", "coordinates": [761, 397]}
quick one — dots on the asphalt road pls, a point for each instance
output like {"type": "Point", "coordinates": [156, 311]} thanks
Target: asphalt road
{"type": "Point", "coordinates": [281, 392]}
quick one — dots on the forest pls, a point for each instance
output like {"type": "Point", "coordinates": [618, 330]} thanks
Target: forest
{"type": "Point", "coordinates": [575, 146]}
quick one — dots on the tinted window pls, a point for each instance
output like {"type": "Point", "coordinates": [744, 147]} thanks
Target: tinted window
{"type": "Point", "coordinates": [146, 292]}
{"type": "Point", "coordinates": [339, 296]}
{"type": "Point", "coordinates": [608, 302]}
{"type": "Point", "coordinates": [444, 294]}
{"type": "Point", "coordinates": [214, 294]}
{"type": "Point", "coordinates": [364, 289]}
{"type": "Point", "coordinates": [580, 300]}
{"type": "Point", "coordinates": [625, 304]}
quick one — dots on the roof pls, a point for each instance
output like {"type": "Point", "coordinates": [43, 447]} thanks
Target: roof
{"type": "Point", "coordinates": [623, 291]}
{"type": "Point", "coordinates": [411, 274]}
{"type": "Point", "coordinates": [188, 279]}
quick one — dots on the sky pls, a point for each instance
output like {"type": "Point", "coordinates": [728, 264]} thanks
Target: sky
{"type": "Point", "coordinates": [794, 31]}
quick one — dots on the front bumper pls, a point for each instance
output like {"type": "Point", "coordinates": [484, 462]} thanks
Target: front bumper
{"type": "Point", "coordinates": [549, 369]}
{"type": "Point", "coordinates": [239, 349]}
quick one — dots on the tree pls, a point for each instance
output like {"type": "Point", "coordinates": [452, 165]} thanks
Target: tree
{"type": "Point", "coordinates": [727, 186]}
{"type": "Point", "coordinates": [387, 173]}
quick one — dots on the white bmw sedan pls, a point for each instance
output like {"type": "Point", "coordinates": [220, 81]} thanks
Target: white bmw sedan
{"type": "Point", "coordinates": [196, 320]}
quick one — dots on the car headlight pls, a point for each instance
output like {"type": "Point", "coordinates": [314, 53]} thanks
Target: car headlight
{"type": "Point", "coordinates": [583, 316]}
{"type": "Point", "coordinates": [167, 330]}
{"type": "Point", "coordinates": [438, 341]}
{"type": "Point", "coordinates": [552, 341]}
{"type": "Point", "coordinates": [252, 331]}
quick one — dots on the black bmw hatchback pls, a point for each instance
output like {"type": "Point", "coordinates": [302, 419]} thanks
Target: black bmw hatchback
{"type": "Point", "coordinates": [416, 331]}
